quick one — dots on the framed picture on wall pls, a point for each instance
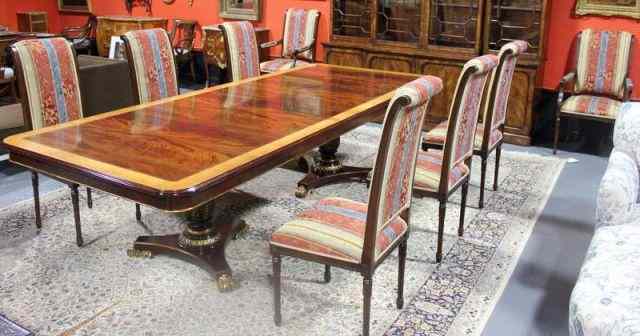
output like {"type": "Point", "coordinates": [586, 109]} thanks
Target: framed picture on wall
{"type": "Point", "coordinates": [80, 6]}
{"type": "Point", "coordinates": [629, 8]}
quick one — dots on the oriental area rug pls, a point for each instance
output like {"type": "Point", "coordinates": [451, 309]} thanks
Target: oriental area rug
{"type": "Point", "coordinates": [51, 287]}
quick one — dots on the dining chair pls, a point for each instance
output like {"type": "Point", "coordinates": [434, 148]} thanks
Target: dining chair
{"type": "Point", "coordinates": [243, 59]}
{"type": "Point", "coordinates": [488, 139]}
{"type": "Point", "coordinates": [601, 78]}
{"type": "Point", "coordinates": [152, 64]}
{"type": "Point", "coordinates": [152, 68]}
{"type": "Point", "coordinates": [82, 37]}
{"type": "Point", "coordinates": [357, 236]}
{"type": "Point", "coordinates": [182, 36]}
{"type": "Point", "coordinates": [48, 83]}
{"type": "Point", "coordinates": [300, 33]}
{"type": "Point", "coordinates": [439, 173]}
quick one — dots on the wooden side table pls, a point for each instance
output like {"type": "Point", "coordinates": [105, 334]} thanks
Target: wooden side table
{"type": "Point", "coordinates": [33, 22]}
{"type": "Point", "coordinates": [214, 52]}
{"type": "Point", "coordinates": [118, 25]}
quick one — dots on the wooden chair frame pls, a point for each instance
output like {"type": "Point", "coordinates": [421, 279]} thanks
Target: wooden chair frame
{"type": "Point", "coordinates": [184, 54]}
{"type": "Point", "coordinates": [311, 47]}
{"type": "Point", "coordinates": [570, 77]}
{"type": "Point", "coordinates": [73, 186]}
{"type": "Point", "coordinates": [83, 32]}
{"type": "Point", "coordinates": [132, 69]}
{"type": "Point", "coordinates": [443, 193]}
{"type": "Point", "coordinates": [368, 263]}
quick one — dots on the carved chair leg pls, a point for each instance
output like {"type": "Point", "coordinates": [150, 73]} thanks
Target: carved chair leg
{"type": "Point", "coordinates": [483, 176]}
{"type": "Point", "coordinates": [367, 285]}
{"type": "Point", "coordinates": [327, 273]}
{"type": "Point", "coordinates": [463, 207]}
{"type": "Point", "coordinates": [402, 257]}
{"type": "Point", "coordinates": [138, 213]}
{"type": "Point", "coordinates": [495, 177]}
{"type": "Point", "coordinates": [75, 199]}
{"type": "Point", "coordinates": [556, 134]}
{"type": "Point", "coordinates": [277, 316]}
{"type": "Point", "coordinates": [36, 198]}
{"type": "Point", "coordinates": [89, 198]}
{"type": "Point", "coordinates": [441, 214]}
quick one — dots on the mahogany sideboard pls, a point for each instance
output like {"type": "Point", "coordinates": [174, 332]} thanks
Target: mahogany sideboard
{"type": "Point", "coordinates": [117, 25]}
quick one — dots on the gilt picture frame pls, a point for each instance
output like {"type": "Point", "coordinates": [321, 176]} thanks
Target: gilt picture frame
{"type": "Point", "coordinates": [626, 8]}
{"type": "Point", "coordinates": [230, 9]}
{"type": "Point", "coordinates": [78, 6]}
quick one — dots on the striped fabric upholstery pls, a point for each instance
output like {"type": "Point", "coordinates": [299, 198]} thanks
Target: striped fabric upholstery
{"type": "Point", "coordinates": [299, 31]}
{"type": "Point", "coordinates": [153, 64]}
{"type": "Point", "coordinates": [465, 128]}
{"type": "Point", "coordinates": [243, 50]}
{"type": "Point", "coordinates": [51, 80]}
{"type": "Point", "coordinates": [504, 78]}
{"type": "Point", "coordinates": [280, 64]}
{"type": "Point", "coordinates": [438, 135]}
{"type": "Point", "coordinates": [603, 62]}
{"type": "Point", "coordinates": [335, 227]}
{"type": "Point", "coordinates": [592, 105]}
{"type": "Point", "coordinates": [429, 170]}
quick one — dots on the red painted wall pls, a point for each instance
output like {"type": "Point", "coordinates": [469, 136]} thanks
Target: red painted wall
{"type": "Point", "coordinates": [563, 27]}
{"type": "Point", "coordinates": [9, 8]}
{"type": "Point", "coordinates": [206, 12]}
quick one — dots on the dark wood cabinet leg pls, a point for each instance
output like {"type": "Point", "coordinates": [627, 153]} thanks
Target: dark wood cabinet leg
{"type": "Point", "coordinates": [75, 199]}
{"type": "Point", "coordinates": [277, 309]}
{"type": "Point", "coordinates": [367, 285]}
{"type": "Point", "coordinates": [36, 198]}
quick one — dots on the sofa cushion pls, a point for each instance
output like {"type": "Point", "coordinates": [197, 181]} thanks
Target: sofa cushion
{"type": "Point", "coordinates": [606, 298]}
{"type": "Point", "coordinates": [618, 192]}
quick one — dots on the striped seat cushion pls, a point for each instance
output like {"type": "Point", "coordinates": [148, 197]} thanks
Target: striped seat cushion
{"type": "Point", "coordinates": [439, 133]}
{"type": "Point", "coordinates": [428, 170]}
{"type": "Point", "coordinates": [334, 228]}
{"type": "Point", "coordinates": [279, 64]}
{"type": "Point", "coordinates": [592, 105]}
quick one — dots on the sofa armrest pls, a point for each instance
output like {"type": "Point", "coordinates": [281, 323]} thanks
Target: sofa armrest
{"type": "Point", "coordinates": [618, 192]}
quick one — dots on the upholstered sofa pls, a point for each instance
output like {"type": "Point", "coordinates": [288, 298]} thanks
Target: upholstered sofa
{"type": "Point", "coordinates": [606, 297]}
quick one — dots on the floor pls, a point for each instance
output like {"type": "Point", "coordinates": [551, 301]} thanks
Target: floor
{"type": "Point", "coordinates": [536, 299]}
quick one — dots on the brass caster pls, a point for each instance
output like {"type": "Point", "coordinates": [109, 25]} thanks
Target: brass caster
{"type": "Point", "coordinates": [302, 191]}
{"type": "Point", "coordinates": [136, 253]}
{"type": "Point", "coordinates": [243, 228]}
{"type": "Point", "coordinates": [225, 282]}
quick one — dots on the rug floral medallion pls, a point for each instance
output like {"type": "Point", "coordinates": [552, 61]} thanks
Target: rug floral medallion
{"type": "Point", "coordinates": [52, 287]}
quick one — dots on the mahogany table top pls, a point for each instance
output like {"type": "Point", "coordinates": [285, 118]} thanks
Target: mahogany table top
{"type": "Point", "coordinates": [208, 140]}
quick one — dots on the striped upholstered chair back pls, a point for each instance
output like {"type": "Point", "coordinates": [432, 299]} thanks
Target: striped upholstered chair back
{"type": "Point", "coordinates": [300, 31]}
{"type": "Point", "coordinates": [394, 168]}
{"type": "Point", "coordinates": [463, 116]}
{"type": "Point", "coordinates": [495, 108]}
{"type": "Point", "coordinates": [152, 64]}
{"type": "Point", "coordinates": [243, 60]}
{"type": "Point", "coordinates": [48, 80]}
{"type": "Point", "coordinates": [602, 62]}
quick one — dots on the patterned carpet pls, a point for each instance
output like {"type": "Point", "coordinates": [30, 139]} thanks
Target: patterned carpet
{"type": "Point", "coordinates": [51, 287]}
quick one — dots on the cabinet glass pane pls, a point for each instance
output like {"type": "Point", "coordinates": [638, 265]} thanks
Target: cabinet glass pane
{"type": "Point", "coordinates": [453, 23]}
{"type": "Point", "coordinates": [515, 20]}
{"type": "Point", "coordinates": [351, 18]}
{"type": "Point", "coordinates": [398, 20]}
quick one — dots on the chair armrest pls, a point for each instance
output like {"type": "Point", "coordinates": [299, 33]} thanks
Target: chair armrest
{"type": "Point", "coordinates": [562, 86]}
{"type": "Point", "coordinates": [270, 44]}
{"type": "Point", "coordinates": [628, 88]}
{"type": "Point", "coordinates": [301, 50]}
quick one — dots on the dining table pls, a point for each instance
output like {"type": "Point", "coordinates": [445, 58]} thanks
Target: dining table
{"type": "Point", "coordinates": [180, 154]}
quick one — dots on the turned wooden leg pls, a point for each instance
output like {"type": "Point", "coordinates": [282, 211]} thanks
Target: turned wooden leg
{"type": "Point", "coordinates": [277, 317]}
{"type": "Point", "coordinates": [327, 273]}
{"type": "Point", "coordinates": [36, 198]}
{"type": "Point", "coordinates": [138, 213]}
{"type": "Point", "coordinates": [557, 134]}
{"type": "Point", "coordinates": [75, 199]}
{"type": "Point", "coordinates": [495, 177]}
{"type": "Point", "coordinates": [89, 199]}
{"type": "Point", "coordinates": [483, 176]}
{"type": "Point", "coordinates": [463, 207]}
{"type": "Point", "coordinates": [402, 257]}
{"type": "Point", "coordinates": [367, 285]}
{"type": "Point", "coordinates": [441, 214]}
